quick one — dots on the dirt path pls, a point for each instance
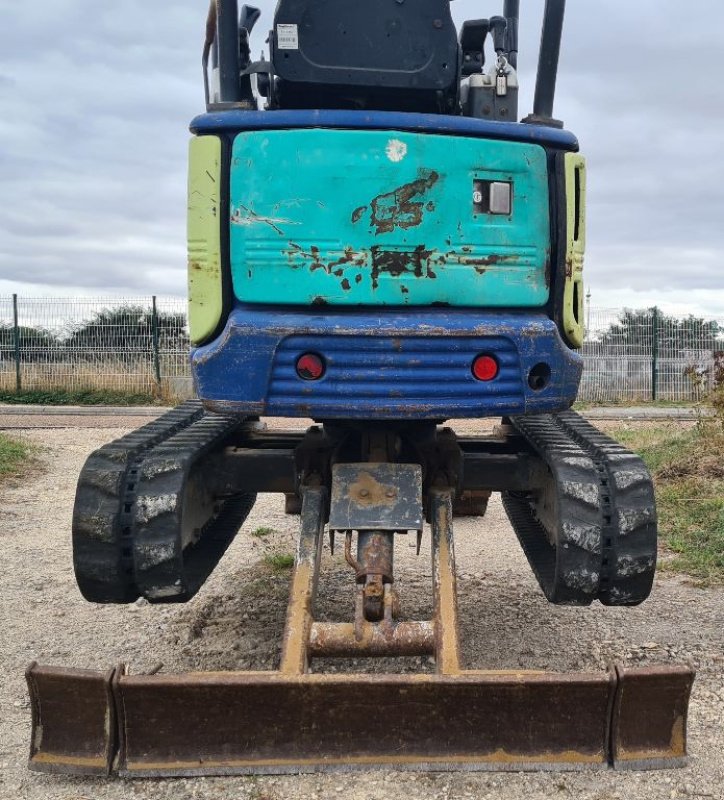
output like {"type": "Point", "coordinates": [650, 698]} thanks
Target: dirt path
{"type": "Point", "coordinates": [236, 620]}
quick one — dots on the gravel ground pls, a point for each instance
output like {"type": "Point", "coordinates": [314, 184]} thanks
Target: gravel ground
{"type": "Point", "coordinates": [236, 619]}
{"type": "Point", "coordinates": [56, 421]}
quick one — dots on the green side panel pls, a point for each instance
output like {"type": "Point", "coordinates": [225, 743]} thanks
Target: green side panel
{"type": "Point", "coordinates": [386, 218]}
{"type": "Point", "coordinates": [575, 248]}
{"type": "Point", "coordinates": [204, 237]}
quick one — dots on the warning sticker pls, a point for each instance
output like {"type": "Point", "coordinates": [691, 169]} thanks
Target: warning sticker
{"type": "Point", "coordinates": [287, 37]}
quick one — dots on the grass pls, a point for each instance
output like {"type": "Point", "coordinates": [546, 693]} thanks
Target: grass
{"type": "Point", "coordinates": [688, 471]}
{"type": "Point", "coordinates": [260, 533]}
{"type": "Point", "coordinates": [583, 405]}
{"type": "Point", "coordinates": [659, 445]}
{"type": "Point", "coordinates": [279, 562]}
{"type": "Point", "coordinates": [14, 456]}
{"type": "Point", "coordinates": [77, 397]}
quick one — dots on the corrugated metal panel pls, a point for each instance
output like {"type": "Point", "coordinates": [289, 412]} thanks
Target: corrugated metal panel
{"type": "Point", "coordinates": [397, 364]}
{"type": "Point", "coordinates": [401, 376]}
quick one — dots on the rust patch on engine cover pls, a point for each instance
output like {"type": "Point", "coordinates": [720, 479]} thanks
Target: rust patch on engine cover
{"type": "Point", "coordinates": [400, 208]}
{"type": "Point", "coordinates": [312, 258]}
{"type": "Point", "coordinates": [481, 264]}
{"type": "Point", "coordinates": [401, 262]}
{"type": "Point", "coordinates": [357, 213]}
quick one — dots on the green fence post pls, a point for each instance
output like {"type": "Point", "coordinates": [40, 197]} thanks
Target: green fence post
{"type": "Point", "coordinates": [16, 340]}
{"type": "Point", "coordinates": [654, 352]}
{"type": "Point", "coordinates": [154, 334]}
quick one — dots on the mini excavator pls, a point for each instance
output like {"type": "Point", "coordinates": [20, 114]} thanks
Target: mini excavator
{"type": "Point", "coordinates": [378, 244]}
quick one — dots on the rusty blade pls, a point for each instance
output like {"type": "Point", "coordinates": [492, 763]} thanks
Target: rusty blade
{"type": "Point", "coordinates": [73, 720]}
{"type": "Point", "coordinates": [267, 722]}
{"type": "Point", "coordinates": [239, 723]}
{"type": "Point", "coordinates": [649, 717]}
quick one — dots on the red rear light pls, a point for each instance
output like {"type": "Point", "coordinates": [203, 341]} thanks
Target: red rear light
{"type": "Point", "coordinates": [485, 368]}
{"type": "Point", "coordinates": [310, 367]}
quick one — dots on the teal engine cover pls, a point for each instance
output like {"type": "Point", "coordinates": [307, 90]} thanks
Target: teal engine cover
{"type": "Point", "coordinates": [368, 217]}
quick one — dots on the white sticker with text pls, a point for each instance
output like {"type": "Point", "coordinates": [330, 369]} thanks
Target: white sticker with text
{"type": "Point", "coordinates": [287, 37]}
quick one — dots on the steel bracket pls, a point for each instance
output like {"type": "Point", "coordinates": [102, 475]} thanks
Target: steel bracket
{"type": "Point", "coordinates": [381, 497]}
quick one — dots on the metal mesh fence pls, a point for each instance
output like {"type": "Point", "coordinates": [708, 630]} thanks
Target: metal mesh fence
{"type": "Point", "coordinates": [126, 345]}
{"type": "Point", "coordinates": [139, 344]}
{"type": "Point", "coordinates": [649, 355]}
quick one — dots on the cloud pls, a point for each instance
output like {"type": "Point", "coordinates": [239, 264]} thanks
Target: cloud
{"type": "Point", "coordinates": [97, 97]}
{"type": "Point", "coordinates": [96, 103]}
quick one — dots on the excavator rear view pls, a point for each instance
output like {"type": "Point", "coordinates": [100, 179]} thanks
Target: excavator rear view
{"type": "Point", "coordinates": [376, 243]}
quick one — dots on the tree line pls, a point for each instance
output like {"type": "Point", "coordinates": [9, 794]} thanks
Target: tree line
{"type": "Point", "coordinates": [643, 331]}
{"type": "Point", "coordinates": [125, 333]}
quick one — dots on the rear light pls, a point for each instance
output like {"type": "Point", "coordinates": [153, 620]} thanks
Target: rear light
{"type": "Point", "coordinates": [485, 368]}
{"type": "Point", "coordinates": [310, 367]}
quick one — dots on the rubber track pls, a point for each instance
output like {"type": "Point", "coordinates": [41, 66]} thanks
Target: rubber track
{"type": "Point", "coordinates": [629, 514]}
{"type": "Point", "coordinates": [567, 559]}
{"type": "Point", "coordinates": [101, 556]}
{"type": "Point", "coordinates": [165, 571]}
{"type": "Point", "coordinates": [621, 534]}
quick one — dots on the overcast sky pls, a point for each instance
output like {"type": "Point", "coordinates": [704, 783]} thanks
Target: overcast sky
{"type": "Point", "coordinates": [96, 99]}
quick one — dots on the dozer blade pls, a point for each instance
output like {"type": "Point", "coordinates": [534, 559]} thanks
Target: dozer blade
{"type": "Point", "coordinates": [74, 720]}
{"type": "Point", "coordinates": [267, 722]}
{"type": "Point", "coordinates": [648, 727]}
{"type": "Point", "coordinates": [292, 720]}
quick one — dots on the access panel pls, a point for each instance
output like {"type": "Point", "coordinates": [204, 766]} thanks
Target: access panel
{"type": "Point", "coordinates": [388, 218]}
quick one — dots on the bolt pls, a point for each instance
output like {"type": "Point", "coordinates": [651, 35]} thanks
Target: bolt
{"type": "Point", "coordinates": [364, 493]}
{"type": "Point", "coordinates": [390, 493]}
